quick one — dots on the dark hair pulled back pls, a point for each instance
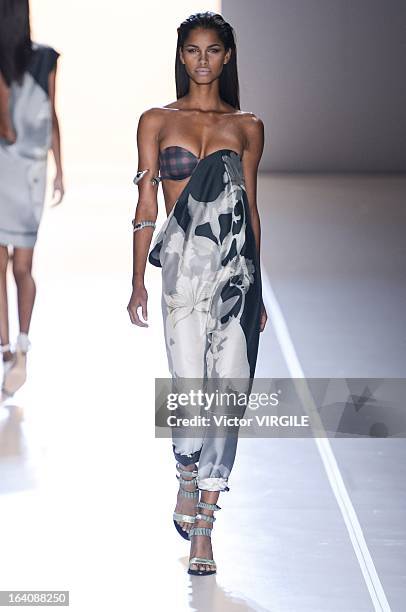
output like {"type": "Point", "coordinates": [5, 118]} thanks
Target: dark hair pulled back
{"type": "Point", "coordinates": [228, 86]}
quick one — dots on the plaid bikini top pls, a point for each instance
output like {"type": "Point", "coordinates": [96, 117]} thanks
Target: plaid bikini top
{"type": "Point", "coordinates": [177, 163]}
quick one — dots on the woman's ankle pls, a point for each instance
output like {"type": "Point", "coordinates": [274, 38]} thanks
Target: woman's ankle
{"type": "Point", "coordinates": [23, 342]}
{"type": "Point", "coordinates": [5, 351]}
{"type": "Point", "coordinates": [189, 468]}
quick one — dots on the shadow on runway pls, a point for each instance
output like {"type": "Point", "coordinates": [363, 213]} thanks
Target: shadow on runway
{"type": "Point", "coordinates": [15, 469]}
{"type": "Point", "coordinates": [206, 594]}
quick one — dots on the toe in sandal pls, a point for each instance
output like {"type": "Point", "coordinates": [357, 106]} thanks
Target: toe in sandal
{"type": "Point", "coordinates": [185, 518]}
{"type": "Point", "coordinates": [210, 563]}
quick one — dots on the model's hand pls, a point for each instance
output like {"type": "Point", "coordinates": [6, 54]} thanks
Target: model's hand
{"type": "Point", "coordinates": [58, 188]}
{"type": "Point", "coordinates": [139, 297]}
{"type": "Point", "coordinates": [263, 319]}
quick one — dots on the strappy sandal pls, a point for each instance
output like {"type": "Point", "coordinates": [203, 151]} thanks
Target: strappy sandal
{"type": "Point", "coordinates": [186, 518]}
{"type": "Point", "coordinates": [207, 532]}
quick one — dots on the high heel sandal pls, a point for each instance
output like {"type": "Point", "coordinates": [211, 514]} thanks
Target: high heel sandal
{"type": "Point", "coordinates": [207, 532]}
{"type": "Point", "coordinates": [185, 518]}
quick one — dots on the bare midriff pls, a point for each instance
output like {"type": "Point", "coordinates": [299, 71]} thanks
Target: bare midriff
{"type": "Point", "coordinates": [172, 190]}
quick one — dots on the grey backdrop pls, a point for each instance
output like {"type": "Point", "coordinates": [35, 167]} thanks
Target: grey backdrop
{"type": "Point", "coordinates": [328, 78]}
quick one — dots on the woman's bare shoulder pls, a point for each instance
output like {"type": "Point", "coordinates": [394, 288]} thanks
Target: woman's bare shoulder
{"type": "Point", "coordinates": [152, 120]}
{"type": "Point", "coordinates": [253, 125]}
{"type": "Point", "coordinates": [154, 113]}
{"type": "Point", "coordinates": [250, 118]}
{"type": "Point", "coordinates": [155, 116]}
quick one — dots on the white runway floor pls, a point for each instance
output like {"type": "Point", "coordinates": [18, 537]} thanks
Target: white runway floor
{"type": "Point", "coordinates": [87, 492]}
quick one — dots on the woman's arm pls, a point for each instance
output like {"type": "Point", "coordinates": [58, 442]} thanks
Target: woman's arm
{"type": "Point", "coordinates": [6, 128]}
{"type": "Point", "coordinates": [146, 209]}
{"type": "Point", "coordinates": [254, 146]}
{"type": "Point", "coordinates": [56, 140]}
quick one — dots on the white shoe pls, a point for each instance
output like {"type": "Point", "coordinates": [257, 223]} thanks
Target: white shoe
{"type": "Point", "coordinates": [16, 374]}
{"type": "Point", "coordinates": [7, 365]}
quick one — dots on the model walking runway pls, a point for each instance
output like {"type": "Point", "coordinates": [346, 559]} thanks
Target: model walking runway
{"type": "Point", "coordinates": [209, 252]}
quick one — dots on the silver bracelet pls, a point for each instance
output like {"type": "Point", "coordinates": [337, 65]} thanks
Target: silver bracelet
{"type": "Point", "coordinates": [141, 224]}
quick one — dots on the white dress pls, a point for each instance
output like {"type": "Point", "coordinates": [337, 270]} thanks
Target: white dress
{"type": "Point", "coordinates": [23, 165]}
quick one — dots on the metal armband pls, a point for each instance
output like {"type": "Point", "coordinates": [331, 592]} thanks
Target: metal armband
{"type": "Point", "coordinates": [155, 179]}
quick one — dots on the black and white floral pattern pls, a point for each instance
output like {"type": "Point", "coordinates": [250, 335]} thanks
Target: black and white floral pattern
{"type": "Point", "coordinates": [211, 296]}
{"type": "Point", "coordinates": [210, 270]}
